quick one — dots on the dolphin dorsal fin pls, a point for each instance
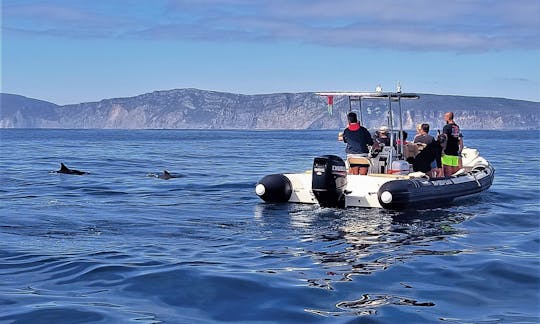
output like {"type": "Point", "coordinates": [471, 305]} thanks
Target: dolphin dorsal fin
{"type": "Point", "coordinates": [63, 167]}
{"type": "Point", "coordinates": [165, 172]}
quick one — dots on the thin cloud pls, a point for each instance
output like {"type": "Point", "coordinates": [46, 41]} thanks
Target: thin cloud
{"type": "Point", "coordinates": [64, 19]}
{"type": "Point", "coordinates": [42, 14]}
{"type": "Point", "coordinates": [519, 80]}
{"type": "Point", "coordinates": [410, 25]}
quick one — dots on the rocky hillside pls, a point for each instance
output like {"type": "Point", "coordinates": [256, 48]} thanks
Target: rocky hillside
{"type": "Point", "coordinates": [196, 109]}
{"type": "Point", "coordinates": [21, 112]}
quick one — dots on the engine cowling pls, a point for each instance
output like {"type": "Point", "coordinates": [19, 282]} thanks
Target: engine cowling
{"type": "Point", "coordinates": [329, 180]}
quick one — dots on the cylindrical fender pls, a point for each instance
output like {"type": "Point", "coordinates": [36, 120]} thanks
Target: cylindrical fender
{"type": "Point", "coordinates": [395, 194]}
{"type": "Point", "coordinates": [274, 188]}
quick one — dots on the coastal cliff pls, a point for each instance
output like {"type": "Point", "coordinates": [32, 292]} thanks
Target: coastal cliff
{"type": "Point", "coordinates": [200, 109]}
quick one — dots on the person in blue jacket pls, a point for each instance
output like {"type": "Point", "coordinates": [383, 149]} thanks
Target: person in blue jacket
{"type": "Point", "coordinates": [357, 139]}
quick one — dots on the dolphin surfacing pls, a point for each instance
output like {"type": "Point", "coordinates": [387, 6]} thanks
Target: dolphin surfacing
{"type": "Point", "coordinates": [165, 175]}
{"type": "Point", "coordinates": [64, 169]}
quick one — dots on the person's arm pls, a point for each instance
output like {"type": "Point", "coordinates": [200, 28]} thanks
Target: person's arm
{"type": "Point", "coordinates": [344, 136]}
{"type": "Point", "coordinates": [438, 157]}
{"type": "Point", "coordinates": [437, 152]}
{"type": "Point", "coordinates": [442, 138]}
{"type": "Point", "coordinates": [369, 139]}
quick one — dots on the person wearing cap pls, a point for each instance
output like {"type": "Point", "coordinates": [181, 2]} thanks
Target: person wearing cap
{"type": "Point", "coordinates": [381, 136]}
{"type": "Point", "coordinates": [357, 139]}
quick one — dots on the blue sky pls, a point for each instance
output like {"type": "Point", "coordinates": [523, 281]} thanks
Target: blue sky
{"type": "Point", "coordinates": [71, 51]}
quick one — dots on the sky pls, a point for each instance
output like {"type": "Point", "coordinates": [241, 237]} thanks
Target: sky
{"type": "Point", "coordinates": [72, 51]}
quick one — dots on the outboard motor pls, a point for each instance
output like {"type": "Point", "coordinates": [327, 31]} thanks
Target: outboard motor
{"type": "Point", "coordinates": [274, 188]}
{"type": "Point", "coordinates": [328, 181]}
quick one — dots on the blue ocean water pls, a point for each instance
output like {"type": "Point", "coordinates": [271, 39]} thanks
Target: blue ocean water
{"type": "Point", "coordinates": [119, 245]}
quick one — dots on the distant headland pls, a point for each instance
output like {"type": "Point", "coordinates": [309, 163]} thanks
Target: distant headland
{"type": "Point", "coordinates": [202, 109]}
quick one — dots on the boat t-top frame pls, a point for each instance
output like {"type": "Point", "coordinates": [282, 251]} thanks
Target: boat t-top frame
{"type": "Point", "coordinates": [390, 96]}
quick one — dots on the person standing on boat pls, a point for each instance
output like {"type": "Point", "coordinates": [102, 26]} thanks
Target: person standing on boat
{"type": "Point", "coordinates": [429, 159]}
{"type": "Point", "coordinates": [357, 139]}
{"type": "Point", "coordinates": [453, 145]}
{"type": "Point", "coordinates": [423, 135]}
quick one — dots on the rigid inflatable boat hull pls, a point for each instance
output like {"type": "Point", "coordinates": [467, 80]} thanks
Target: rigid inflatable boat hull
{"type": "Point", "coordinates": [392, 192]}
{"type": "Point", "coordinates": [423, 193]}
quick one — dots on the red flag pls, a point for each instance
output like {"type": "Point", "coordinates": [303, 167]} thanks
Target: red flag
{"type": "Point", "coordinates": [330, 104]}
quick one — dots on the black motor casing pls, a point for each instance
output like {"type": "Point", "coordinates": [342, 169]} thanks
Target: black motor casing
{"type": "Point", "coordinates": [329, 180]}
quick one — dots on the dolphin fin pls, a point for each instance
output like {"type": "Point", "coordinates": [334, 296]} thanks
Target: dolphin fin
{"type": "Point", "coordinates": [63, 168]}
{"type": "Point", "coordinates": [66, 170]}
{"type": "Point", "coordinates": [165, 176]}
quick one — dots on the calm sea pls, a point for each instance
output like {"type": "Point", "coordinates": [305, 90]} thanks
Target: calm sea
{"type": "Point", "coordinates": [118, 245]}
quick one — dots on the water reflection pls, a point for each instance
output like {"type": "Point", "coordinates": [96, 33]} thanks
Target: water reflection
{"type": "Point", "coordinates": [359, 242]}
{"type": "Point", "coordinates": [364, 240]}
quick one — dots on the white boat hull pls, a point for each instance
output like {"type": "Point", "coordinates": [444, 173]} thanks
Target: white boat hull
{"type": "Point", "coordinates": [389, 191]}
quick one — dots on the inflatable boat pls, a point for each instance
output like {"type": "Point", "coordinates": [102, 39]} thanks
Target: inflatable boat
{"type": "Point", "coordinates": [389, 184]}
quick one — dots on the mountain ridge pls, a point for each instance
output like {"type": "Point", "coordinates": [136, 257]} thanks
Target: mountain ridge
{"type": "Point", "coordinates": [191, 108]}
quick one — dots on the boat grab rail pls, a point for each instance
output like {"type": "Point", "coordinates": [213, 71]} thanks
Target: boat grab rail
{"type": "Point", "coordinates": [474, 176]}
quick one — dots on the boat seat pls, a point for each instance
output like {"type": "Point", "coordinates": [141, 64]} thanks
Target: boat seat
{"type": "Point", "coordinates": [361, 161]}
